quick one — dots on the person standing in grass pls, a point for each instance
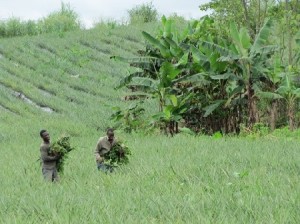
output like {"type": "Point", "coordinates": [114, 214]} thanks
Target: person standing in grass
{"type": "Point", "coordinates": [49, 160]}
{"type": "Point", "coordinates": [104, 145]}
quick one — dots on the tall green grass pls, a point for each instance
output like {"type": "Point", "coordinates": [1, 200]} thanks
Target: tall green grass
{"type": "Point", "coordinates": [168, 180]}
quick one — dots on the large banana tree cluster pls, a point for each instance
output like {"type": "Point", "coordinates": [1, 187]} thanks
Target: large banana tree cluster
{"type": "Point", "coordinates": [206, 82]}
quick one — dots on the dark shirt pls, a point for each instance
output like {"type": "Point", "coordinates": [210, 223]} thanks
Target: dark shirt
{"type": "Point", "coordinates": [48, 159]}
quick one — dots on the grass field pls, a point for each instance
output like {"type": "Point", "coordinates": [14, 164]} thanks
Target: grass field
{"type": "Point", "coordinates": [184, 179]}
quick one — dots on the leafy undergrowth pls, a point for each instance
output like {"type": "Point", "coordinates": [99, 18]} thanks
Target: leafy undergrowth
{"type": "Point", "coordinates": [260, 131]}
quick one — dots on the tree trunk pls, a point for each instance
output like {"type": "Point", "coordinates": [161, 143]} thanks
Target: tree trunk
{"type": "Point", "coordinates": [244, 3]}
{"type": "Point", "coordinates": [171, 128]}
{"type": "Point", "coordinates": [291, 114]}
{"type": "Point", "coordinates": [273, 115]}
{"type": "Point", "coordinates": [176, 128]}
{"type": "Point", "coordinates": [252, 109]}
{"type": "Point", "coordinates": [289, 34]}
{"type": "Point", "coordinates": [258, 23]}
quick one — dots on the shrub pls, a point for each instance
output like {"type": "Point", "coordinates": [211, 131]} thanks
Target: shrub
{"type": "Point", "coordinates": [61, 21]}
{"type": "Point", "coordinates": [14, 27]}
{"type": "Point", "coordinates": [109, 23]}
{"type": "Point", "coordinates": [2, 29]}
{"type": "Point", "coordinates": [31, 28]}
{"type": "Point", "coordinates": [64, 20]}
{"type": "Point", "coordinates": [143, 13]}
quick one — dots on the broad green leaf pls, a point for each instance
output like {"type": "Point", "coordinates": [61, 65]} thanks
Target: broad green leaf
{"type": "Point", "coordinates": [156, 43]}
{"type": "Point", "coordinates": [158, 116]}
{"type": "Point", "coordinates": [198, 56]}
{"type": "Point", "coordinates": [196, 79]}
{"type": "Point", "coordinates": [138, 94]}
{"type": "Point", "coordinates": [183, 60]}
{"type": "Point", "coordinates": [176, 117]}
{"type": "Point", "coordinates": [167, 111]}
{"type": "Point", "coordinates": [182, 110]}
{"type": "Point", "coordinates": [296, 92]}
{"type": "Point", "coordinates": [173, 99]}
{"type": "Point", "coordinates": [172, 43]}
{"type": "Point", "coordinates": [134, 59]}
{"type": "Point", "coordinates": [262, 37]}
{"type": "Point", "coordinates": [228, 58]}
{"type": "Point", "coordinates": [283, 90]}
{"type": "Point", "coordinates": [216, 65]}
{"type": "Point", "coordinates": [165, 43]}
{"type": "Point", "coordinates": [219, 77]}
{"type": "Point", "coordinates": [245, 38]}
{"type": "Point", "coordinates": [168, 28]}
{"type": "Point", "coordinates": [143, 81]}
{"type": "Point", "coordinates": [209, 109]}
{"type": "Point", "coordinates": [169, 71]}
{"type": "Point", "coordinates": [269, 95]}
{"type": "Point", "coordinates": [174, 47]}
{"type": "Point", "coordinates": [126, 80]}
{"type": "Point", "coordinates": [235, 35]}
{"type": "Point", "coordinates": [215, 47]}
{"type": "Point", "coordinates": [163, 20]}
{"type": "Point", "coordinates": [152, 40]}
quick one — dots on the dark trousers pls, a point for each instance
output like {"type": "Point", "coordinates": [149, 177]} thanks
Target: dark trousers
{"type": "Point", "coordinates": [50, 174]}
{"type": "Point", "coordinates": [105, 167]}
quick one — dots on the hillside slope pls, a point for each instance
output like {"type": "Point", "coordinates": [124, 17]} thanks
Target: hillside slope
{"type": "Point", "coordinates": [68, 76]}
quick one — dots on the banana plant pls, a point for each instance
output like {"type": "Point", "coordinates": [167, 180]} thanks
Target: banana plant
{"type": "Point", "coordinates": [130, 118]}
{"type": "Point", "coordinates": [172, 101]}
{"type": "Point", "coordinates": [160, 86]}
{"type": "Point", "coordinates": [287, 91]}
{"type": "Point", "coordinates": [248, 55]}
{"type": "Point", "coordinates": [290, 93]}
{"type": "Point", "coordinates": [173, 112]}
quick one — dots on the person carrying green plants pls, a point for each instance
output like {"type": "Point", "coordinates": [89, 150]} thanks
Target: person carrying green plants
{"type": "Point", "coordinates": [104, 145]}
{"type": "Point", "coordinates": [49, 160]}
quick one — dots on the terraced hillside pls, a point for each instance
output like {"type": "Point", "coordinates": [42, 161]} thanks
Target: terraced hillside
{"type": "Point", "coordinates": [70, 76]}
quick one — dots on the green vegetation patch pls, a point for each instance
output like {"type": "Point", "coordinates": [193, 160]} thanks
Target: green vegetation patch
{"type": "Point", "coordinates": [61, 147]}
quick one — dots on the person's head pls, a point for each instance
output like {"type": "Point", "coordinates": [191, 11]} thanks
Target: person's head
{"type": "Point", "coordinates": [110, 134]}
{"type": "Point", "coordinates": [45, 135]}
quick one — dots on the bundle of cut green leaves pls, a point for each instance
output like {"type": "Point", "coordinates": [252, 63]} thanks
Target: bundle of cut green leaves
{"type": "Point", "coordinates": [118, 155]}
{"type": "Point", "coordinates": [62, 147]}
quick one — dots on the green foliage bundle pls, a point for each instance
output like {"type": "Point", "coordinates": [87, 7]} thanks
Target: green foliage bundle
{"type": "Point", "coordinates": [118, 155]}
{"type": "Point", "coordinates": [62, 147]}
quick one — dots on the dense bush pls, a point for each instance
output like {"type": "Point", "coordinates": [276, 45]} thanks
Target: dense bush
{"type": "Point", "coordinates": [143, 13]}
{"type": "Point", "coordinates": [57, 22]}
{"type": "Point", "coordinates": [64, 20]}
{"type": "Point", "coordinates": [213, 83]}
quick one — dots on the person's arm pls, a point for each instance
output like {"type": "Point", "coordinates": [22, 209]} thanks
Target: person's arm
{"type": "Point", "coordinates": [45, 157]}
{"type": "Point", "coordinates": [97, 152]}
